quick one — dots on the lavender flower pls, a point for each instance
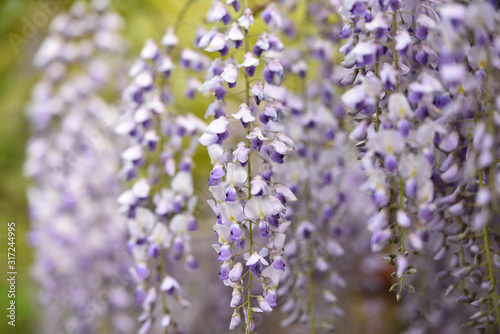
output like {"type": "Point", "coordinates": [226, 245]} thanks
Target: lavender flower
{"type": "Point", "coordinates": [77, 237]}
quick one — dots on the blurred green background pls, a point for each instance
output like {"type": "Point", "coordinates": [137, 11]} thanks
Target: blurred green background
{"type": "Point", "coordinates": [144, 19]}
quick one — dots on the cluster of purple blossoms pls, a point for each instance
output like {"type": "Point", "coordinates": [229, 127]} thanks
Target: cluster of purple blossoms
{"type": "Point", "coordinates": [158, 165]}
{"type": "Point", "coordinates": [77, 236]}
{"type": "Point", "coordinates": [314, 173]}
{"type": "Point", "coordinates": [249, 200]}
{"type": "Point", "coordinates": [423, 86]}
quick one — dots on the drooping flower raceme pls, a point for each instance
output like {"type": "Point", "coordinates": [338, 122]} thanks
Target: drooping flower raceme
{"type": "Point", "coordinates": [78, 239]}
{"type": "Point", "coordinates": [248, 200]}
{"type": "Point", "coordinates": [423, 77]}
{"type": "Point", "coordinates": [158, 164]}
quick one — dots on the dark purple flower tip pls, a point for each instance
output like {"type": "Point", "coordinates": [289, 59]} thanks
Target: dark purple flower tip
{"type": "Point", "coordinates": [257, 51]}
{"type": "Point", "coordinates": [216, 175]}
{"type": "Point", "coordinates": [327, 178]}
{"type": "Point", "coordinates": [421, 112]}
{"type": "Point", "coordinates": [192, 224]}
{"type": "Point", "coordinates": [166, 74]}
{"type": "Point", "coordinates": [268, 75]}
{"type": "Point", "coordinates": [185, 63]}
{"type": "Point", "coordinates": [185, 166]}
{"type": "Point", "coordinates": [177, 206]}
{"type": "Point", "coordinates": [391, 163]}
{"type": "Point", "coordinates": [320, 53]}
{"type": "Point", "coordinates": [220, 92]}
{"type": "Point", "coordinates": [131, 212]}
{"type": "Point", "coordinates": [213, 182]}
{"type": "Point", "coordinates": [225, 253]}
{"type": "Point", "coordinates": [271, 297]}
{"type": "Point", "coordinates": [421, 32]}
{"type": "Point", "coordinates": [256, 144]}
{"type": "Point", "coordinates": [138, 97]}
{"type": "Point", "coordinates": [336, 232]}
{"type": "Point", "coordinates": [358, 9]}
{"type": "Point", "coordinates": [152, 144]}
{"type": "Point", "coordinates": [222, 136]}
{"type": "Point", "coordinates": [266, 16]}
{"type": "Point", "coordinates": [224, 272]}
{"type": "Point", "coordinates": [224, 51]}
{"type": "Point", "coordinates": [238, 44]}
{"type": "Point", "coordinates": [278, 263]}
{"type": "Point", "coordinates": [191, 263]}
{"type": "Point", "coordinates": [217, 70]}
{"type": "Point", "coordinates": [368, 17]}
{"type": "Point", "coordinates": [250, 70]}
{"type": "Point", "coordinates": [481, 37]}
{"type": "Point", "coordinates": [425, 214]}
{"type": "Point", "coordinates": [230, 194]}
{"type": "Point", "coordinates": [235, 231]}
{"type": "Point", "coordinates": [263, 118]}
{"type": "Point", "coordinates": [414, 96]}
{"type": "Point", "coordinates": [281, 198]}
{"type": "Point", "coordinates": [330, 134]}
{"type": "Point", "coordinates": [178, 245]}
{"type": "Point", "coordinates": [328, 213]}
{"type": "Point", "coordinates": [346, 32]}
{"type": "Point", "coordinates": [226, 19]}
{"type": "Point", "coordinates": [276, 157]}
{"type": "Point", "coordinates": [327, 96]}
{"type": "Point", "coordinates": [140, 295]}
{"type": "Point", "coordinates": [236, 5]}
{"type": "Point", "coordinates": [142, 270]}
{"type": "Point", "coordinates": [404, 127]}
{"type": "Point", "coordinates": [256, 269]}
{"type": "Point", "coordinates": [154, 250]}
{"type": "Point", "coordinates": [274, 220]}
{"type": "Point", "coordinates": [190, 93]}
{"type": "Point", "coordinates": [422, 57]}
{"type": "Point", "coordinates": [231, 85]}
{"type": "Point", "coordinates": [394, 4]}
{"type": "Point", "coordinates": [442, 100]}
{"type": "Point", "coordinates": [380, 198]}
{"type": "Point", "coordinates": [264, 229]}
{"type": "Point", "coordinates": [411, 188]}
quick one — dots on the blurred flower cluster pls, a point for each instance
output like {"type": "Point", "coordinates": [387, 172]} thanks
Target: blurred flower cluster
{"type": "Point", "coordinates": [72, 159]}
{"type": "Point", "coordinates": [350, 143]}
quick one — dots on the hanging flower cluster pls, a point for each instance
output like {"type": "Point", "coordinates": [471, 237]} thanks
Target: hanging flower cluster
{"type": "Point", "coordinates": [314, 173]}
{"type": "Point", "coordinates": [248, 200]}
{"type": "Point", "coordinates": [158, 164]}
{"type": "Point", "coordinates": [77, 236]}
{"type": "Point", "coordinates": [422, 95]}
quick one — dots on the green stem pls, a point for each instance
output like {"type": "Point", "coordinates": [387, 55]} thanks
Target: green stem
{"type": "Point", "coordinates": [182, 13]}
{"type": "Point", "coordinates": [491, 278]}
{"type": "Point", "coordinates": [396, 56]}
{"type": "Point", "coordinates": [249, 170]}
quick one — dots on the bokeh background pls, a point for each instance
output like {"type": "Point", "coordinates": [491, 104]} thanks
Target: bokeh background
{"type": "Point", "coordinates": [144, 19]}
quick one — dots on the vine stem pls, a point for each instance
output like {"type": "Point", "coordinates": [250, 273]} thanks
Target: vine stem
{"type": "Point", "coordinates": [491, 277]}
{"type": "Point", "coordinates": [182, 13]}
{"type": "Point", "coordinates": [248, 330]}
